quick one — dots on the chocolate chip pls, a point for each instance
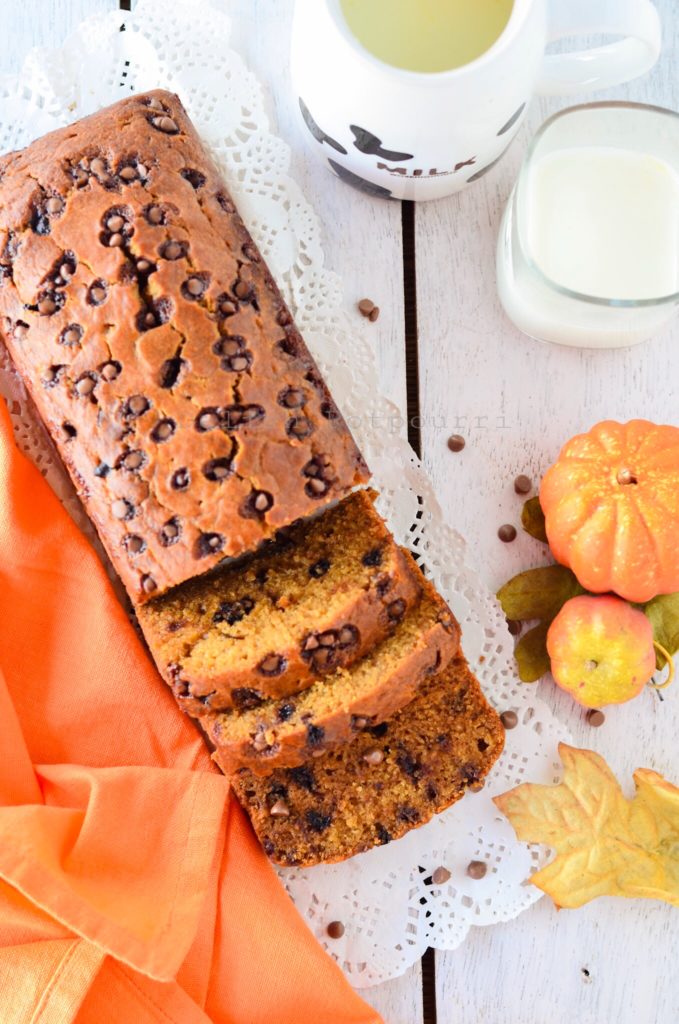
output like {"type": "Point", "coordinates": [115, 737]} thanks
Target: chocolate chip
{"type": "Point", "coordinates": [133, 460]}
{"type": "Point", "coordinates": [233, 611]}
{"type": "Point", "coordinates": [373, 558]}
{"type": "Point", "coordinates": [153, 102]}
{"type": "Point", "coordinates": [163, 430]}
{"type": "Point", "coordinates": [144, 267]}
{"type": "Point", "coordinates": [279, 810]}
{"type": "Point", "coordinates": [102, 469]}
{"type": "Point", "coordinates": [180, 479]}
{"type": "Point", "coordinates": [122, 509]}
{"type": "Point", "coordinates": [299, 427]}
{"type": "Point", "coordinates": [440, 876]}
{"type": "Point", "coordinates": [53, 375]}
{"type": "Point", "coordinates": [164, 124]}
{"type": "Point", "coordinates": [97, 293]}
{"type": "Point", "coordinates": [195, 286]}
{"type": "Point", "coordinates": [209, 544]}
{"type": "Point", "coordinates": [373, 757]}
{"type": "Point", "coordinates": [173, 250]}
{"type": "Point", "coordinates": [250, 252]}
{"type": "Point", "coordinates": [289, 346]}
{"type": "Point", "coordinates": [409, 765]}
{"type": "Point", "coordinates": [238, 363]}
{"type": "Point", "coordinates": [244, 698]}
{"type": "Point", "coordinates": [272, 665]}
{"type": "Point", "coordinates": [303, 777]}
{"type": "Point", "coordinates": [49, 302]}
{"type": "Point", "coordinates": [148, 584]}
{"type": "Point", "coordinates": [383, 834]}
{"type": "Point", "coordinates": [229, 345]}
{"type": "Point", "coordinates": [482, 744]}
{"type": "Point", "coordinates": [408, 814]}
{"type": "Point", "coordinates": [169, 372]}
{"type": "Point", "coordinates": [40, 223]}
{"type": "Point", "coordinates": [54, 205]}
{"type": "Point", "coordinates": [195, 178]}
{"type": "Point", "coordinates": [335, 929]}
{"type": "Point", "coordinates": [509, 719]}
{"type": "Point", "coordinates": [132, 172]}
{"type": "Point", "coordinates": [207, 419]}
{"type": "Point", "coordinates": [242, 290]}
{"type": "Point", "coordinates": [20, 329]}
{"type": "Point", "coordinates": [314, 735]}
{"type": "Point", "coordinates": [114, 221]}
{"type": "Point", "coordinates": [379, 731]}
{"type": "Point", "coordinates": [155, 214]}
{"type": "Point", "coordinates": [236, 416]}
{"type": "Point", "coordinates": [316, 488]}
{"type": "Point", "coordinates": [85, 384]}
{"type": "Point", "coordinates": [319, 568]}
{"type": "Point", "coordinates": [69, 430]}
{"type": "Point", "coordinates": [225, 306]}
{"type": "Point", "coordinates": [374, 314]}
{"type": "Point", "coordinates": [155, 313]}
{"type": "Point", "coordinates": [318, 822]}
{"type": "Point", "coordinates": [477, 869]}
{"type": "Point", "coordinates": [507, 533]}
{"type": "Point", "coordinates": [358, 722]}
{"type": "Point", "coordinates": [456, 442]}
{"type": "Point", "coordinates": [285, 711]}
{"type": "Point", "coordinates": [329, 410]}
{"type": "Point", "coordinates": [135, 406]}
{"type": "Point", "coordinates": [134, 544]}
{"type": "Point", "coordinates": [523, 484]}
{"type": "Point", "coordinates": [99, 167]}
{"type": "Point", "coordinates": [292, 398]}
{"type": "Point", "coordinates": [514, 627]}
{"type": "Point", "coordinates": [595, 717]}
{"type": "Point", "coordinates": [217, 470]}
{"type": "Point", "coordinates": [283, 318]}
{"type": "Point", "coordinates": [366, 306]}
{"type": "Point", "coordinates": [225, 203]}
{"type": "Point", "coordinates": [170, 532]}
{"type": "Point", "coordinates": [396, 610]}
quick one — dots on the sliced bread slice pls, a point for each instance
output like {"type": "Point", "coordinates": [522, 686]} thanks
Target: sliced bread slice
{"type": "Point", "coordinates": [317, 598]}
{"type": "Point", "coordinates": [284, 733]}
{"type": "Point", "coordinates": [387, 781]}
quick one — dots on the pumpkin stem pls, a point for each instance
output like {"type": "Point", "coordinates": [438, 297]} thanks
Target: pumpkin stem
{"type": "Point", "coordinates": [670, 666]}
{"type": "Point", "coordinates": [626, 477]}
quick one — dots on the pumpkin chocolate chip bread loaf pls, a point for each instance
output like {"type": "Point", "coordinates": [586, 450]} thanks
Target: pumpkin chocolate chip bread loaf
{"type": "Point", "coordinates": [388, 780]}
{"type": "Point", "coordinates": [317, 598]}
{"type": "Point", "coordinates": [286, 732]}
{"type": "Point", "coordinates": [157, 347]}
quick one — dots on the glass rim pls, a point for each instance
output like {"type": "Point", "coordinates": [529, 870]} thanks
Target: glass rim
{"type": "Point", "coordinates": [519, 13]}
{"type": "Point", "coordinates": [593, 300]}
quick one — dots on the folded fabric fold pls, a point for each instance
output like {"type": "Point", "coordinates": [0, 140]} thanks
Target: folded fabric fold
{"type": "Point", "coordinates": [131, 887]}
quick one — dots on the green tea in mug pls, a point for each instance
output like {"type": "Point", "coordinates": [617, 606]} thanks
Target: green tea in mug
{"type": "Point", "coordinates": [427, 35]}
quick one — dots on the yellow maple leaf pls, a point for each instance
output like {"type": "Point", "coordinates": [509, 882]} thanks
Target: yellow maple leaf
{"type": "Point", "coordinates": [606, 845]}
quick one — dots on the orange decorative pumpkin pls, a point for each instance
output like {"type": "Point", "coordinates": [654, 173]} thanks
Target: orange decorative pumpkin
{"type": "Point", "coordinates": [611, 505]}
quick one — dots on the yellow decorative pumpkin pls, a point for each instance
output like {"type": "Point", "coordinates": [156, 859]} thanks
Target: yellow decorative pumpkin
{"type": "Point", "coordinates": [611, 505]}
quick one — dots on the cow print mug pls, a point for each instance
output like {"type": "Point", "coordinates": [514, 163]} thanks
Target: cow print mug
{"type": "Point", "coordinates": [400, 133]}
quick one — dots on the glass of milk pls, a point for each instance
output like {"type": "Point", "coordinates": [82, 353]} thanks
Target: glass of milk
{"type": "Point", "coordinates": [588, 253]}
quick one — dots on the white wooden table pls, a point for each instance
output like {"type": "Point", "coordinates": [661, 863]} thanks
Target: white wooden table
{"type": "Point", "coordinates": [516, 401]}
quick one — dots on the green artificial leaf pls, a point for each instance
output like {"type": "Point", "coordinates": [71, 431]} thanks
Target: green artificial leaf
{"type": "Point", "coordinates": [533, 519]}
{"type": "Point", "coordinates": [538, 593]}
{"type": "Point", "coordinates": [663, 611]}
{"type": "Point", "coordinates": [531, 654]}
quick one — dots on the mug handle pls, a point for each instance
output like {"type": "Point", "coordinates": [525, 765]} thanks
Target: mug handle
{"type": "Point", "coordinates": [601, 66]}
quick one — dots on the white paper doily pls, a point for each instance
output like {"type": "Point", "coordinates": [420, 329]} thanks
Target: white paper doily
{"type": "Point", "coordinates": [386, 899]}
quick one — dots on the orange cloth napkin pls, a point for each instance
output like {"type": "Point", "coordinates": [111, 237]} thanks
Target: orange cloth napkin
{"type": "Point", "coordinates": [131, 886]}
